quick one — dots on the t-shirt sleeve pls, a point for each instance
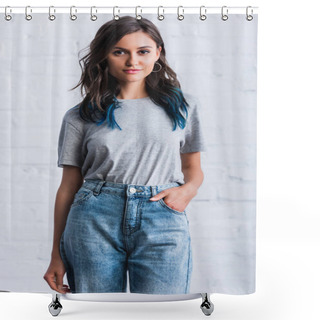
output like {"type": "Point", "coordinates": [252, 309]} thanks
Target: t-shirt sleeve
{"type": "Point", "coordinates": [194, 138]}
{"type": "Point", "coordinates": [69, 145]}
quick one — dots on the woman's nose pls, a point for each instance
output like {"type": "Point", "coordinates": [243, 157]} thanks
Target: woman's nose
{"type": "Point", "coordinates": [132, 60]}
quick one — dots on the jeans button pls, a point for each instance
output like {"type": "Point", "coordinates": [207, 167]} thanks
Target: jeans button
{"type": "Point", "coordinates": [132, 190]}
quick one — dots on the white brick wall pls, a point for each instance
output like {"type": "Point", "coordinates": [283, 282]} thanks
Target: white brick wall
{"type": "Point", "coordinates": [214, 60]}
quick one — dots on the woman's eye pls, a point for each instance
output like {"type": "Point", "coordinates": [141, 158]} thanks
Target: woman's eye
{"type": "Point", "coordinates": [116, 52]}
{"type": "Point", "coordinates": [119, 51]}
{"type": "Point", "coordinates": [144, 51]}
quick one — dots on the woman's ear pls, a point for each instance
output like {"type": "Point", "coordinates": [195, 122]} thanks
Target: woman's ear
{"type": "Point", "coordinates": [159, 51]}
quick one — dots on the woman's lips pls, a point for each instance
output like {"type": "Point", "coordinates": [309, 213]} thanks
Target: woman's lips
{"type": "Point", "coordinates": [132, 71]}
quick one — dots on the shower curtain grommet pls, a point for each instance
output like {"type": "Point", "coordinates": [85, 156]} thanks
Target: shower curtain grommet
{"type": "Point", "coordinates": [93, 17]}
{"type": "Point", "coordinates": [28, 16]}
{"type": "Point", "coordinates": [7, 16]}
{"type": "Point", "coordinates": [249, 17]}
{"type": "Point", "coordinates": [115, 16]}
{"type": "Point", "coordinates": [51, 16]}
{"type": "Point", "coordinates": [160, 16]}
{"type": "Point", "coordinates": [203, 15]}
{"type": "Point", "coordinates": [138, 16]}
{"type": "Point", "coordinates": [224, 16]}
{"type": "Point", "coordinates": [180, 15]}
{"type": "Point", "coordinates": [73, 16]}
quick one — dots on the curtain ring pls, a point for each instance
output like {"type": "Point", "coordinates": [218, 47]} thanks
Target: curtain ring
{"type": "Point", "coordinates": [8, 17]}
{"type": "Point", "coordinates": [52, 16]}
{"type": "Point", "coordinates": [160, 16]}
{"type": "Point", "coordinates": [138, 16]}
{"type": "Point", "coordinates": [73, 16]}
{"type": "Point", "coordinates": [203, 16]}
{"type": "Point", "coordinates": [224, 17]}
{"type": "Point", "coordinates": [115, 16]}
{"type": "Point", "coordinates": [180, 16]}
{"type": "Point", "coordinates": [249, 16]}
{"type": "Point", "coordinates": [28, 16]}
{"type": "Point", "coordinates": [93, 17]}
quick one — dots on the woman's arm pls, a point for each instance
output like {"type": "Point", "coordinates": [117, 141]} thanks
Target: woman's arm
{"type": "Point", "coordinates": [179, 197]}
{"type": "Point", "coordinates": [71, 182]}
{"type": "Point", "coordinates": [191, 168]}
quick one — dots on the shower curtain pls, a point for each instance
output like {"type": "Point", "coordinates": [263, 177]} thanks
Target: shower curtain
{"type": "Point", "coordinates": [215, 62]}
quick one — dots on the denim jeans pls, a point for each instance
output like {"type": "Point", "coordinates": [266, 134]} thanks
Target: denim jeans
{"type": "Point", "coordinates": [113, 228]}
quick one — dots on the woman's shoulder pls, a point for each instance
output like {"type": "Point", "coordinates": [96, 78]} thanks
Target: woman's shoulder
{"type": "Point", "coordinates": [192, 100]}
{"type": "Point", "coordinates": [188, 96]}
{"type": "Point", "coordinates": [72, 116]}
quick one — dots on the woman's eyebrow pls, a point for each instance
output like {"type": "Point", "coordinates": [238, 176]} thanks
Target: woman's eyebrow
{"type": "Point", "coordinates": [137, 48]}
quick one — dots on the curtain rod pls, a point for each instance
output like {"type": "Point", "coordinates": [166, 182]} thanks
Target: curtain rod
{"type": "Point", "coordinates": [127, 9]}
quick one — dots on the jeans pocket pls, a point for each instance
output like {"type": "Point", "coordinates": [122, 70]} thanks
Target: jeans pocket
{"type": "Point", "coordinates": [81, 196]}
{"type": "Point", "coordinates": [161, 201]}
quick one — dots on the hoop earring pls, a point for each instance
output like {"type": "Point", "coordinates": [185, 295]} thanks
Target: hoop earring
{"type": "Point", "coordinates": [159, 65]}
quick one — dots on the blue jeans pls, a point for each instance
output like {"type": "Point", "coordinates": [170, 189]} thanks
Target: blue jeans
{"type": "Point", "coordinates": [114, 227]}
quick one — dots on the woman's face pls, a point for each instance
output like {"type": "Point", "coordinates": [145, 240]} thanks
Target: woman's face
{"type": "Point", "coordinates": [136, 51]}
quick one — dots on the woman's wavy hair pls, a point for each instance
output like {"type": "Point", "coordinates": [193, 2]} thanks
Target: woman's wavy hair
{"type": "Point", "coordinates": [101, 88]}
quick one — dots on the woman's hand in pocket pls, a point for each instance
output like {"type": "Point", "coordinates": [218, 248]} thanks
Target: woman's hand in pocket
{"type": "Point", "coordinates": [177, 198]}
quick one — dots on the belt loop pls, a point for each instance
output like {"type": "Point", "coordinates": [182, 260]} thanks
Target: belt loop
{"type": "Point", "coordinates": [97, 188]}
{"type": "Point", "coordinates": [154, 190]}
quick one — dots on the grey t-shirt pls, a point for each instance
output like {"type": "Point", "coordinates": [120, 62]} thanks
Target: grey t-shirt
{"type": "Point", "coordinates": [146, 151]}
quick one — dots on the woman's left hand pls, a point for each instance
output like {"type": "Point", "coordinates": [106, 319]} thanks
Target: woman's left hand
{"type": "Point", "coordinates": [177, 198]}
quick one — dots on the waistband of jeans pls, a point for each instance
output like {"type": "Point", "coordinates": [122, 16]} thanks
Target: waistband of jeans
{"type": "Point", "coordinates": [130, 189]}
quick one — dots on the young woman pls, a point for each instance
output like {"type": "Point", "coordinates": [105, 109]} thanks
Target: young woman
{"type": "Point", "coordinates": [130, 153]}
